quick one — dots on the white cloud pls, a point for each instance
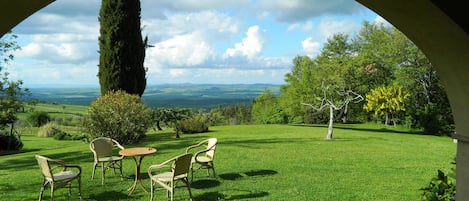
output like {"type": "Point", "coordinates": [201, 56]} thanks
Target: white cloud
{"type": "Point", "coordinates": [250, 47]}
{"type": "Point", "coordinates": [60, 48]}
{"type": "Point", "coordinates": [310, 47]}
{"type": "Point", "coordinates": [181, 52]}
{"type": "Point", "coordinates": [329, 26]}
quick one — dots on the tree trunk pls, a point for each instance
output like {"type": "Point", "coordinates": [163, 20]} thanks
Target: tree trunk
{"type": "Point", "coordinates": [331, 122]}
{"type": "Point", "coordinates": [344, 118]}
{"type": "Point", "coordinates": [386, 121]}
{"type": "Point", "coordinates": [158, 126]}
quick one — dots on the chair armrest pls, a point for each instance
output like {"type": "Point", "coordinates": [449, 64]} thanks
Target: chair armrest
{"type": "Point", "coordinates": [73, 166]}
{"type": "Point", "coordinates": [153, 168]}
{"type": "Point", "coordinates": [195, 146]}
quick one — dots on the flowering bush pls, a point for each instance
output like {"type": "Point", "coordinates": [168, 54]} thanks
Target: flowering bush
{"type": "Point", "coordinates": [118, 115]}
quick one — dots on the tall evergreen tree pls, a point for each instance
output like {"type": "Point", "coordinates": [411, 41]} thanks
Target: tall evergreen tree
{"type": "Point", "coordinates": [121, 48]}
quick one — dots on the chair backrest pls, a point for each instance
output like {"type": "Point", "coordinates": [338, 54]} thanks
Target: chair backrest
{"type": "Point", "coordinates": [102, 146]}
{"type": "Point", "coordinates": [43, 163]}
{"type": "Point", "coordinates": [212, 145]}
{"type": "Point", "coordinates": [182, 164]}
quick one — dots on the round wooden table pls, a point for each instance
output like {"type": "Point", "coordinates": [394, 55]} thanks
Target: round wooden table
{"type": "Point", "coordinates": [134, 153]}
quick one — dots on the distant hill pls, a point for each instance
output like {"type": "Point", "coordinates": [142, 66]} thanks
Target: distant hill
{"type": "Point", "coordinates": [166, 95]}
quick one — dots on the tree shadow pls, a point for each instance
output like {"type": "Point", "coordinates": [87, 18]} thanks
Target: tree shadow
{"type": "Point", "coordinates": [252, 173]}
{"type": "Point", "coordinates": [352, 127]}
{"type": "Point", "coordinates": [235, 194]}
{"type": "Point", "coordinates": [205, 183]}
{"type": "Point", "coordinates": [110, 196]}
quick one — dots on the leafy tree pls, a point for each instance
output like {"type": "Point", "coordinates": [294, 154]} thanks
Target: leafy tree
{"type": "Point", "coordinates": [298, 89]}
{"type": "Point", "coordinates": [386, 101]}
{"type": "Point", "coordinates": [118, 115]}
{"type": "Point", "coordinates": [171, 117]}
{"type": "Point", "coordinates": [11, 94]}
{"type": "Point", "coordinates": [121, 48]}
{"type": "Point", "coordinates": [265, 109]}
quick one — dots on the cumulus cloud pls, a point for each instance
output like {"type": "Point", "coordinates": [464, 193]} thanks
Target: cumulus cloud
{"type": "Point", "coordinates": [180, 51]}
{"type": "Point", "coordinates": [250, 47]}
{"type": "Point", "coordinates": [329, 26]}
{"type": "Point", "coordinates": [310, 47]}
{"type": "Point", "coordinates": [60, 48]}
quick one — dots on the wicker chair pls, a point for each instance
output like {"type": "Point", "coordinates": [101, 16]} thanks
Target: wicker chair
{"type": "Point", "coordinates": [167, 175]}
{"type": "Point", "coordinates": [56, 173]}
{"type": "Point", "coordinates": [203, 156]}
{"type": "Point", "coordinates": [105, 156]}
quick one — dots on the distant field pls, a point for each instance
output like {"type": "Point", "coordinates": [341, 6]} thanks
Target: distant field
{"type": "Point", "coordinates": [172, 95]}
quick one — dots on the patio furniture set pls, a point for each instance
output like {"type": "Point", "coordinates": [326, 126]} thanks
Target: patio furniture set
{"type": "Point", "coordinates": [58, 174]}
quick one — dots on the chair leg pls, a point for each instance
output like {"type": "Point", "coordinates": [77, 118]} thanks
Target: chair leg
{"type": "Point", "coordinates": [52, 191]}
{"type": "Point", "coordinates": [44, 184]}
{"type": "Point", "coordinates": [213, 169]}
{"type": "Point", "coordinates": [103, 173]}
{"type": "Point", "coordinates": [79, 187]}
{"type": "Point", "coordinates": [120, 168]}
{"type": "Point", "coordinates": [188, 188]}
{"type": "Point", "coordinates": [151, 190]}
{"type": "Point", "coordinates": [94, 169]}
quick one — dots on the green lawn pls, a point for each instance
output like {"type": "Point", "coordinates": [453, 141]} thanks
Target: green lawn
{"type": "Point", "coordinates": [256, 162]}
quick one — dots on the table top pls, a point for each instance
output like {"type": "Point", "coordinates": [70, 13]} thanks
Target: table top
{"type": "Point", "coordinates": [137, 151]}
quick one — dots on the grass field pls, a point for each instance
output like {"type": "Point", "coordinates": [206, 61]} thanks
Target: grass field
{"type": "Point", "coordinates": [256, 162]}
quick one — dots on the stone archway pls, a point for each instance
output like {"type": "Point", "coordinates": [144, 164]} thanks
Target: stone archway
{"type": "Point", "coordinates": [440, 30]}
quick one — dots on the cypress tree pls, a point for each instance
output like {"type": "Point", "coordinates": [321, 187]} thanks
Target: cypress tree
{"type": "Point", "coordinates": [121, 48]}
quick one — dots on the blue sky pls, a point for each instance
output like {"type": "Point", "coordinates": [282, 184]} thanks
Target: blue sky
{"type": "Point", "coordinates": [195, 41]}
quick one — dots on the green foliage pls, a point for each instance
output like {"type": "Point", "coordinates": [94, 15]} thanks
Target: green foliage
{"type": "Point", "coordinates": [121, 48]}
{"type": "Point", "coordinates": [49, 130]}
{"type": "Point", "coordinates": [431, 119]}
{"type": "Point", "coordinates": [10, 142]}
{"type": "Point", "coordinates": [191, 126]}
{"type": "Point", "coordinates": [441, 188]}
{"type": "Point", "coordinates": [118, 115]}
{"type": "Point", "coordinates": [266, 110]}
{"type": "Point", "coordinates": [62, 135]}
{"type": "Point", "coordinates": [38, 118]}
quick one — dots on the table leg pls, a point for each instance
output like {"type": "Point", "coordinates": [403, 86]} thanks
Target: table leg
{"type": "Point", "coordinates": [138, 180]}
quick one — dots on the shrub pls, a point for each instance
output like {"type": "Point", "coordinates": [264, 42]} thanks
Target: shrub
{"type": "Point", "coordinates": [38, 118]}
{"type": "Point", "coordinates": [442, 187]}
{"type": "Point", "coordinates": [67, 136]}
{"type": "Point", "coordinates": [49, 130]}
{"type": "Point", "coordinates": [191, 126]}
{"type": "Point", "coordinates": [10, 142]}
{"type": "Point", "coordinates": [118, 115]}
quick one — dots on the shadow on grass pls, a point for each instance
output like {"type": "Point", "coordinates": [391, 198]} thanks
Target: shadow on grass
{"type": "Point", "coordinates": [27, 162]}
{"type": "Point", "coordinates": [110, 195]}
{"type": "Point", "coordinates": [205, 183]}
{"type": "Point", "coordinates": [182, 142]}
{"type": "Point", "coordinates": [231, 195]}
{"type": "Point", "coordinates": [235, 176]}
{"type": "Point", "coordinates": [353, 127]}
{"type": "Point", "coordinates": [5, 153]}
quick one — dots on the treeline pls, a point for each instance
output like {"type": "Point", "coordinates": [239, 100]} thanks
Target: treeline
{"type": "Point", "coordinates": [377, 75]}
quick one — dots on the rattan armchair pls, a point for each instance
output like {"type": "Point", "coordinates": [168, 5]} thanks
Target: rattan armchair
{"type": "Point", "coordinates": [203, 156]}
{"type": "Point", "coordinates": [169, 172]}
{"type": "Point", "coordinates": [103, 149]}
{"type": "Point", "coordinates": [57, 174]}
